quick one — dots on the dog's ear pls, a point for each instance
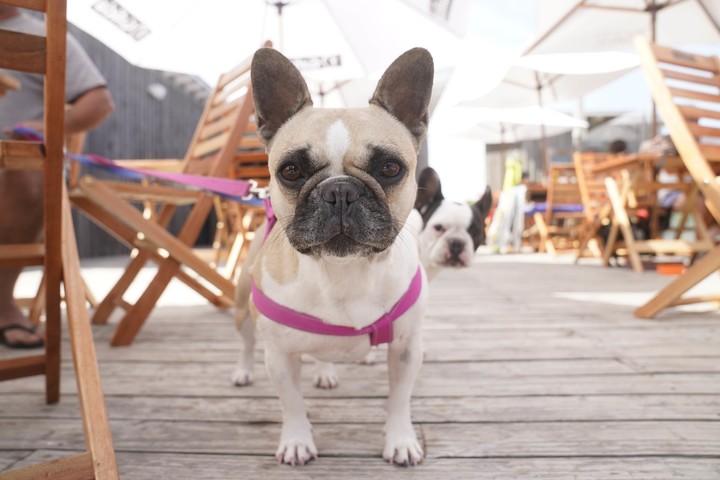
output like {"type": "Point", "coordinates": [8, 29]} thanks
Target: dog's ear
{"type": "Point", "coordinates": [279, 91]}
{"type": "Point", "coordinates": [485, 202]}
{"type": "Point", "coordinates": [405, 88]}
{"type": "Point", "coordinates": [480, 211]}
{"type": "Point", "coordinates": [429, 189]}
{"type": "Point", "coordinates": [429, 194]}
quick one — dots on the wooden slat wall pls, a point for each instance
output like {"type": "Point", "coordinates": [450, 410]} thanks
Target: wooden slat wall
{"type": "Point", "coordinates": [140, 127]}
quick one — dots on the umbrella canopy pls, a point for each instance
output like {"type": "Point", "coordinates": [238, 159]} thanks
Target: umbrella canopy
{"type": "Point", "coordinates": [551, 78]}
{"type": "Point", "coordinates": [208, 37]}
{"type": "Point", "coordinates": [511, 125]}
{"type": "Point", "coordinates": [597, 25]}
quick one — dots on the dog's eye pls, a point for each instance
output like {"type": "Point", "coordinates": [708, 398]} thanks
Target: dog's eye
{"type": "Point", "coordinates": [439, 228]}
{"type": "Point", "coordinates": [291, 172]}
{"type": "Point", "coordinates": [390, 169]}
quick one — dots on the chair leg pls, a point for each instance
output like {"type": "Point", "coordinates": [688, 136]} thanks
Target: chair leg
{"type": "Point", "coordinates": [543, 233]}
{"type": "Point", "coordinates": [114, 297]}
{"type": "Point", "coordinates": [38, 304]}
{"type": "Point", "coordinates": [618, 202]}
{"type": "Point", "coordinates": [610, 243]}
{"type": "Point", "coordinates": [92, 402]}
{"type": "Point", "coordinates": [135, 317]}
{"type": "Point", "coordinates": [672, 293]}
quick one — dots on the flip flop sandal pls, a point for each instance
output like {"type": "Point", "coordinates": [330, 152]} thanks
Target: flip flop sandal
{"type": "Point", "coordinates": [37, 344]}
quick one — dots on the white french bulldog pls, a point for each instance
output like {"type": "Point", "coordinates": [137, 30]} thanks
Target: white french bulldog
{"type": "Point", "coordinates": [450, 232]}
{"type": "Point", "coordinates": [341, 259]}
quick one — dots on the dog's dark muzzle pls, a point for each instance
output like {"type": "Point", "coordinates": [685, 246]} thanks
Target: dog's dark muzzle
{"type": "Point", "coordinates": [340, 197]}
{"type": "Point", "coordinates": [342, 217]}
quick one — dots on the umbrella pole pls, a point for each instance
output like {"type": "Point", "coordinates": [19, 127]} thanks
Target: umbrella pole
{"type": "Point", "coordinates": [543, 140]}
{"type": "Point", "coordinates": [279, 5]}
{"type": "Point", "coordinates": [502, 142]}
{"type": "Point", "coordinates": [543, 149]}
{"type": "Point", "coordinates": [653, 23]}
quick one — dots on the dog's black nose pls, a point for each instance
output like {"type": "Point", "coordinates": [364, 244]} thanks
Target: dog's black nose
{"type": "Point", "coordinates": [340, 193]}
{"type": "Point", "coordinates": [456, 247]}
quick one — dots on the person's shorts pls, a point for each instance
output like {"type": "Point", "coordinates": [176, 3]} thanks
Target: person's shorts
{"type": "Point", "coordinates": [669, 198]}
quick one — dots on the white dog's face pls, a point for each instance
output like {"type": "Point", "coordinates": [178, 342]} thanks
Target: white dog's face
{"type": "Point", "coordinates": [452, 232]}
{"type": "Point", "coordinates": [447, 235]}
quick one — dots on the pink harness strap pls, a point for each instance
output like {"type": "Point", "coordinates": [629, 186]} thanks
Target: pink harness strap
{"type": "Point", "coordinates": [380, 331]}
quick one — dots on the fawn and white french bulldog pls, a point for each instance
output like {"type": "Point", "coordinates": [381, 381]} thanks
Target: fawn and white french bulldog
{"type": "Point", "coordinates": [450, 232]}
{"type": "Point", "coordinates": [340, 254]}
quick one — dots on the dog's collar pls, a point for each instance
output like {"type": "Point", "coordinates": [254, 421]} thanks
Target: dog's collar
{"type": "Point", "coordinates": [380, 331]}
{"type": "Point", "coordinates": [270, 215]}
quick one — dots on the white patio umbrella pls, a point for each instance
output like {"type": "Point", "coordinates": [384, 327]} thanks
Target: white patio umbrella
{"type": "Point", "coordinates": [543, 80]}
{"type": "Point", "coordinates": [547, 79]}
{"type": "Point", "coordinates": [597, 25]}
{"type": "Point", "coordinates": [512, 125]}
{"type": "Point", "coordinates": [501, 126]}
{"type": "Point", "coordinates": [329, 40]}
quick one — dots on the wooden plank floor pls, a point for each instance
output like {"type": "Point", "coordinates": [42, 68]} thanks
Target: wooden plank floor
{"type": "Point", "coordinates": [535, 368]}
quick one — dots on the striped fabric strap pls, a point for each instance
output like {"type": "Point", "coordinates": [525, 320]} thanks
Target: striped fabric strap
{"type": "Point", "coordinates": [238, 190]}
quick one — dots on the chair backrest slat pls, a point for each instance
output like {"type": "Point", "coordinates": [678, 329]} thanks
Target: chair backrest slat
{"type": "Point", "coordinates": [22, 51]}
{"type": "Point", "coordinates": [37, 5]}
{"type": "Point", "coordinates": [685, 59]}
{"type": "Point", "coordinates": [224, 121]}
{"type": "Point", "coordinates": [211, 145]}
{"type": "Point", "coordinates": [693, 94]}
{"type": "Point", "coordinates": [713, 80]}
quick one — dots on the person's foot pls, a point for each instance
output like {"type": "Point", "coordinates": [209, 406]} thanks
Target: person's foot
{"type": "Point", "coordinates": [16, 331]}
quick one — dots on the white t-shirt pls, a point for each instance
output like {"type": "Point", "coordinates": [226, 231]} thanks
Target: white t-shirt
{"type": "Point", "coordinates": [26, 104]}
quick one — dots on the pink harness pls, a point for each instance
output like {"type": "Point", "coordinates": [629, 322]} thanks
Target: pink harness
{"type": "Point", "coordinates": [381, 331]}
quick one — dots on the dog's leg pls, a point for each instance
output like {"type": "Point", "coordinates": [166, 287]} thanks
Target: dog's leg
{"type": "Point", "coordinates": [371, 358]}
{"type": "Point", "coordinates": [296, 440]}
{"type": "Point", "coordinates": [326, 377]}
{"type": "Point", "coordinates": [243, 374]}
{"type": "Point", "coordinates": [404, 361]}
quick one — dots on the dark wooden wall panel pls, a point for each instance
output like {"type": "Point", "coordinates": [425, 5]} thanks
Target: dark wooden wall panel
{"type": "Point", "coordinates": [140, 127]}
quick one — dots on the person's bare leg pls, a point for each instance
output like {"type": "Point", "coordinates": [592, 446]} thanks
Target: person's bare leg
{"type": "Point", "coordinates": [21, 217]}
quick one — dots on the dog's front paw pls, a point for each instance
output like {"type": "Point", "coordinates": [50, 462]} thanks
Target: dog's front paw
{"type": "Point", "coordinates": [242, 377]}
{"type": "Point", "coordinates": [326, 380]}
{"type": "Point", "coordinates": [326, 377]}
{"type": "Point", "coordinates": [296, 446]}
{"type": "Point", "coordinates": [402, 448]}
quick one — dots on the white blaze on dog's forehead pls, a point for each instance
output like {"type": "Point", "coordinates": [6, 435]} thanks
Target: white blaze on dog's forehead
{"type": "Point", "coordinates": [453, 215]}
{"type": "Point", "coordinates": [337, 141]}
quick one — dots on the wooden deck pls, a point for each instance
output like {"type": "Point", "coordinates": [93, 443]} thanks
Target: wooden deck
{"type": "Point", "coordinates": [535, 369]}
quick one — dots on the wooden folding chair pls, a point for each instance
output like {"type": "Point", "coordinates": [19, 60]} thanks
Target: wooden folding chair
{"type": "Point", "coordinates": [558, 225]}
{"type": "Point", "coordinates": [220, 132]}
{"type": "Point", "coordinates": [58, 253]}
{"type": "Point", "coordinates": [686, 90]}
{"type": "Point", "coordinates": [596, 205]}
{"type": "Point", "coordinates": [625, 199]}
